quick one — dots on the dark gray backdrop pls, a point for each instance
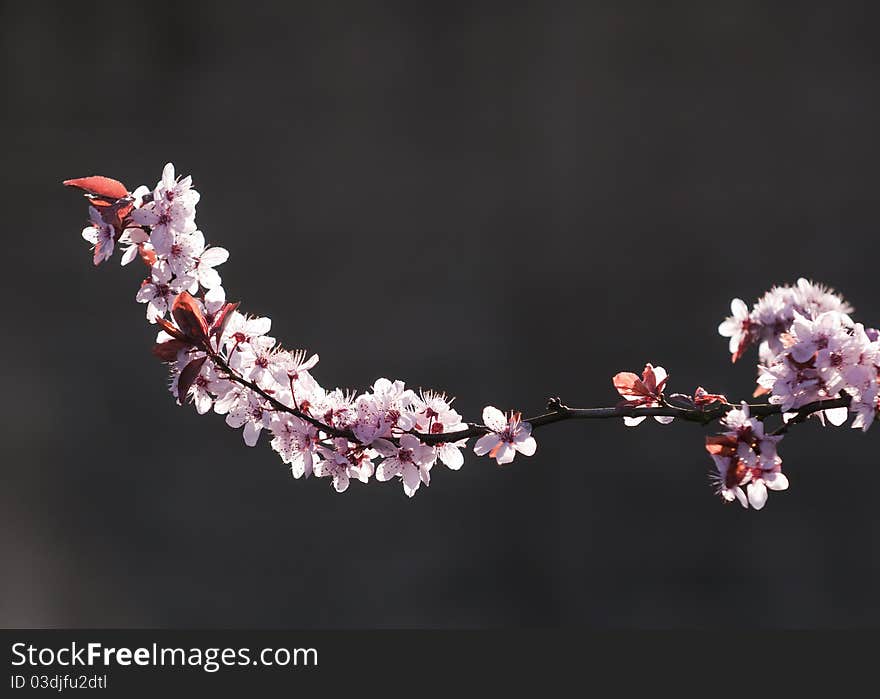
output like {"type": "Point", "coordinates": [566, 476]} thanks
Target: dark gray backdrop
{"type": "Point", "coordinates": [505, 204]}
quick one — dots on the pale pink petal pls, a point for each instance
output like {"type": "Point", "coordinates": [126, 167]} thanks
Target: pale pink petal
{"type": "Point", "coordinates": [494, 419]}
{"type": "Point", "coordinates": [526, 447]}
{"type": "Point", "coordinates": [451, 456]}
{"type": "Point", "coordinates": [660, 375]}
{"type": "Point", "coordinates": [411, 479]}
{"type": "Point", "coordinates": [203, 402]}
{"type": "Point", "coordinates": [340, 481]}
{"type": "Point", "coordinates": [387, 470]}
{"type": "Point", "coordinates": [739, 309]}
{"type": "Point", "coordinates": [129, 255]}
{"type": "Point", "coordinates": [168, 176]}
{"type": "Point", "coordinates": [486, 443]}
{"type": "Point", "coordinates": [837, 416]}
{"type": "Point", "coordinates": [258, 326]}
{"type": "Point", "coordinates": [209, 278]}
{"type": "Point", "coordinates": [251, 433]}
{"type": "Point", "coordinates": [505, 453]}
{"type": "Point", "coordinates": [776, 481]}
{"type": "Point", "coordinates": [214, 256]}
{"type": "Point", "coordinates": [757, 494]}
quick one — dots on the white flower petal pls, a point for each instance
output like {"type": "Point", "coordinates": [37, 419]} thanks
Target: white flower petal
{"type": "Point", "coordinates": [214, 256]}
{"type": "Point", "coordinates": [776, 481]}
{"type": "Point", "coordinates": [494, 419]}
{"type": "Point", "coordinates": [411, 479]}
{"type": "Point", "coordinates": [486, 443]}
{"type": "Point", "coordinates": [837, 416]}
{"type": "Point", "coordinates": [504, 453]}
{"type": "Point", "coordinates": [451, 456]}
{"type": "Point", "coordinates": [526, 447]}
{"type": "Point", "coordinates": [251, 433]}
{"type": "Point", "coordinates": [757, 494]}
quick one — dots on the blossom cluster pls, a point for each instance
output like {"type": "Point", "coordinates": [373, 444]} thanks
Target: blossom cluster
{"type": "Point", "coordinates": [745, 456]}
{"type": "Point", "coordinates": [814, 360]}
{"type": "Point", "coordinates": [810, 349]}
{"type": "Point", "coordinates": [226, 361]}
{"type": "Point", "coordinates": [810, 352]}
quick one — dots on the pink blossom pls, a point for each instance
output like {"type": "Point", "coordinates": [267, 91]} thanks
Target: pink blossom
{"type": "Point", "coordinates": [508, 435]}
{"type": "Point", "coordinates": [101, 235]}
{"type": "Point", "coordinates": [411, 462]}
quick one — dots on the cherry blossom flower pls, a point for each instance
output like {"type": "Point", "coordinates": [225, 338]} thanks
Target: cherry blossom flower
{"type": "Point", "coordinates": [205, 262]}
{"type": "Point", "coordinates": [206, 385]}
{"type": "Point", "coordinates": [182, 253]}
{"type": "Point", "coordinates": [812, 300]}
{"type": "Point", "coordinates": [242, 329]}
{"type": "Point", "coordinates": [295, 440]}
{"type": "Point", "coordinates": [255, 360]}
{"type": "Point", "coordinates": [101, 235]}
{"type": "Point", "coordinates": [738, 327]}
{"type": "Point", "coordinates": [244, 408]}
{"type": "Point", "coordinates": [508, 436]}
{"type": "Point", "coordinates": [866, 407]}
{"type": "Point", "coordinates": [334, 408]}
{"type": "Point", "coordinates": [411, 462]}
{"type": "Point", "coordinates": [290, 369]}
{"type": "Point", "coordinates": [434, 415]}
{"type": "Point", "coordinates": [645, 392]}
{"type": "Point", "coordinates": [172, 210]}
{"type": "Point", "coordinates": [746, 456]}
{"type": "Point", "coordinates": [159, 292]}
{"type": "Point", "coordinates": [344, 462]}
{"type": "Point", "coordinates": [388, 409]}
{"type": "Point", "coordinates": [822, 358]}
{"type": "Point", "coordinates": [772, 315]}
{"type": "Point", "coordinates": [134, 240]}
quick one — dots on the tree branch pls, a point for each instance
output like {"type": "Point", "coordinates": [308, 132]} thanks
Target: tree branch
{"type": "Point", "coordinates": [557, 412]}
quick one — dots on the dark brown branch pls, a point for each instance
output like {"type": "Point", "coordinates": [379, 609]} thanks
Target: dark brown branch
{"type": "Point", "coordinates": [557, 412]}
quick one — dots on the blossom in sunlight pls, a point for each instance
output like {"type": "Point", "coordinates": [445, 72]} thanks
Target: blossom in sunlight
{"type": "Point", "coordinates": [746, 457]}
{"type": "Point", "coordinates": [410, 461]}
{"type": "Point", "coordinates": [645, 392]}
{"type": "Point", "coordinates": [101, 235]}
{"type": "Point", "coordinates": [738, 327]}
{"type": "Point", "coordinates": [508, 435]}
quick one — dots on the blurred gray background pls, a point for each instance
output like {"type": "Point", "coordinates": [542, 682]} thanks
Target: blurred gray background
{"type": "Point", "coordinates": [504, 203]}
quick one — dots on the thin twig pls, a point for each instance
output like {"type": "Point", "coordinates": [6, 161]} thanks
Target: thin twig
{"type": "Point", "coordinates": [557, 412]}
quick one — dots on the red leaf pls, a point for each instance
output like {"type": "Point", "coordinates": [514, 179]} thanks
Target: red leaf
{"type": "Point", "coordinates": [167, 351]}
{"type": "Point", "coordinates": [721, 445]}
{"type": "Point", "coordinates": [221, 319]}
{"type": "Point", "coordinates": [187, 376]}
{"type": "Point", "coordinates": [703, 397]}
{"type": "Point", "coordinates": [189, 317]}
{"type": "Point", "coordinates": [147, 256]}
{"type": "Point", "coordinates": [102, 187]}
{"type": "Point", "coordinates": [628, 384]}
{"type": "Point", "coordinates": [173, 331]}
